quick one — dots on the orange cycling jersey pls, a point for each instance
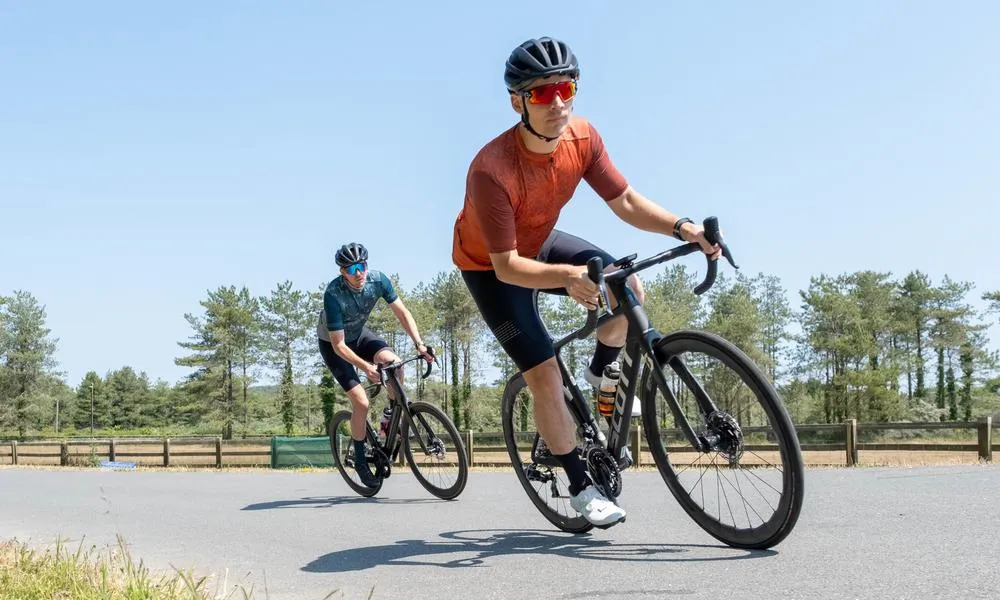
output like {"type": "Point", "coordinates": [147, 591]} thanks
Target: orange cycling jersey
{"type": "Point", "coordinates": [513, 196]}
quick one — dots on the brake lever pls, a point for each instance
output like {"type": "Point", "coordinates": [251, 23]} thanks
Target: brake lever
{"type": "Point", "coordinates": [603, 289]}
{"type": "Point", "coordinates": [727, 254]}
{"type": "Point", "coordinates": [595, 270]}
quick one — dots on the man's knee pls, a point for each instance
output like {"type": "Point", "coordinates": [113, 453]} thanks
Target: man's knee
{"type": "Point", "coordinates": [385, 356]}
{"type": "Point", "coordinates": [358, 397]}
{"type": "Point", "coordinates": [634, 283]}
{"type": "Point", "coordinates": [544, 378]}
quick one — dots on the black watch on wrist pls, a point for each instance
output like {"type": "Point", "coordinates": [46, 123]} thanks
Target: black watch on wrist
{"type": "Point", "coordinates": [677, 227]}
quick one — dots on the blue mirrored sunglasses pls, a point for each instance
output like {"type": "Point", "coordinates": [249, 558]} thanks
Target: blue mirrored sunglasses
{"type": "Point", "coordinates": [355, 268]}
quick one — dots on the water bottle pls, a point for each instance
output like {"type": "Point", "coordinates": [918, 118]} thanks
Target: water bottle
{"type": "Point", "coordinates": [383, 428]}
{"type": "Point", "coordinates": [608, 389]}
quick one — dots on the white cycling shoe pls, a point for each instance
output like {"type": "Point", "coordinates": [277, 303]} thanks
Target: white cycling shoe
{"type": "Point", "coordinates": [597, 509]}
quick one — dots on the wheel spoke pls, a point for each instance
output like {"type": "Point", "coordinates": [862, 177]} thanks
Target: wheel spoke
{"type": "Point", "coordinates": [743, 413]}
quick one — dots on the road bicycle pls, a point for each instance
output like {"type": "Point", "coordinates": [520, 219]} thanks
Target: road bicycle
{"type": "Point", "coordinates": [409, 429]}
{"type": "Point", "coordinates": [716, 411]}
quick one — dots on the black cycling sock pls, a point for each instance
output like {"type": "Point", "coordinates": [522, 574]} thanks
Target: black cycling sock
{"type": "Point", "coordinates": [604, 355]}
{"type": "Point", "coordinates": [359, 453]}
{"type": "Point", "coordinates": [575, 471]}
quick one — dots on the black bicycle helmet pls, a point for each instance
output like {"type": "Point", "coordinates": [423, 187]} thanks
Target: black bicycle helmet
{"type": "Point", "coordinates": [351, 253]}
{"type": "Point", "coordinates": [536, 58]}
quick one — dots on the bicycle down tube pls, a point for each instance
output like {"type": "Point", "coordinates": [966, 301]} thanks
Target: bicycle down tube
{"type": "Point", "coordinates": [400, 412]}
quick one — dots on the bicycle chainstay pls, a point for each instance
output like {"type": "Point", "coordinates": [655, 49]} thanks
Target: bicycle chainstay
{"type": "Point", "coordinates": [383, 466]}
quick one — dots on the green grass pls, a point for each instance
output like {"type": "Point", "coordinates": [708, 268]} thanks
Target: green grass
{"type": "Point", "coordinates": [60, 573]}
{"type": "Point", "coordinates": [90, 574]}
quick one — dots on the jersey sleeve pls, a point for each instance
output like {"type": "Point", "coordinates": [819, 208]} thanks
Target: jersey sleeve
{"type": "Point", "coordinates": [334, 316]}
{"type": "Point", "coordinates": [601, 174]}
{"type": "Point", "coordinates": [494, 211]}
{"type": "Point", "coordinates": [388, 292]}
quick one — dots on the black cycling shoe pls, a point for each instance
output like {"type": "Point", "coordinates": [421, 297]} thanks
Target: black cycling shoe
{"type": "Point", "coordinates": [367, 477]}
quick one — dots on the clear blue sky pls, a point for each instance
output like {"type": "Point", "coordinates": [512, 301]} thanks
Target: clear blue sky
{"type": "Point", "coordinates": [149, 153]}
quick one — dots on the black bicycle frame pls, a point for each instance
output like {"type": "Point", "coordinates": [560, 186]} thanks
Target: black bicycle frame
{"type": "Point", "coordinates": [400, 411]}
{"type": "Point", "coordinates": [640, 340]}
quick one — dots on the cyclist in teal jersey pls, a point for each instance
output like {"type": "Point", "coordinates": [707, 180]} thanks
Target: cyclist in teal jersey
{"type": "Point", "coordinates": [346, 343]}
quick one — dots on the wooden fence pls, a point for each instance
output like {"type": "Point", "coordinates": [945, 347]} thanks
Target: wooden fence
{"type": "Point", "coordinates": [829, 444]}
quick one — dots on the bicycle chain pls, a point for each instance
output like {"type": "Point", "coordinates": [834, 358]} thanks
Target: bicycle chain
{"type": "Point", "coordinates": [604, 472]}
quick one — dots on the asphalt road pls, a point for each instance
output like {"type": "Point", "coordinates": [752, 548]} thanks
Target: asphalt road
{"type": "Point", "coordinates": [880, 533]}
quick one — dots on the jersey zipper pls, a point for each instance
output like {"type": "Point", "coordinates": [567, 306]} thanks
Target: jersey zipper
{"type": "Point", "coordinates": [552, 175]}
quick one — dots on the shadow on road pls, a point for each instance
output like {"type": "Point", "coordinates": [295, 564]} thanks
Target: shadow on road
{"type": "Point", "coordinates": [328, 501]}
{"type": "Point", "coordinates": [475, 547]}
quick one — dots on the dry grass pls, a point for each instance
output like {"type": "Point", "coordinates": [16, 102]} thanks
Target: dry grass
{"type": "Point", "coordinates": [59, 573]}
{"type": "Point", "coordinates": [91, 574]}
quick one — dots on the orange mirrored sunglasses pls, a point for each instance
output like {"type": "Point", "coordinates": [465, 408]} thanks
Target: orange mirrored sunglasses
{"type": "Point", "coordinates": [545, 94]}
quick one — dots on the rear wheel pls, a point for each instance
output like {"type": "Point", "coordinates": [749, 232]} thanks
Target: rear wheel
{"type": "Point", "coordinates": [540, 474]}
{"type": "Point", "coordinates": [342, 447]}
{"type": "Point", "coordinates": [747, 489]}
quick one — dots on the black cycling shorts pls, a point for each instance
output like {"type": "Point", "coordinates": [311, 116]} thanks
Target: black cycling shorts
{"type": "Point", "coordinates": [366, 346]}
{"type": "Point", "coordinates": [510, 311]}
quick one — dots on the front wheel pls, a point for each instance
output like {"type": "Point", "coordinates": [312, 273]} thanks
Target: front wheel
{"type": "Point", "coordinates": [746, 488]}
{"type": "Point", "coordinates": [540, 474]}
{"type": "Point", "coordinates": [438, 443]}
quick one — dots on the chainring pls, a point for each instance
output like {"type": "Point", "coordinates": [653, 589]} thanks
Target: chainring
{"type": "Point", "coordinates": [604, 472]}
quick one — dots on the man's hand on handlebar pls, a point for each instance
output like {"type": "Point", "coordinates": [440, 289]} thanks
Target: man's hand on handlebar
{"type": "Point", "coordinates": [371, 371]}
{"type": "Point", "coordinates": [422, 349]}
{"type": "Point", "coordinates": [581, 288]}
{"type": "Point", "coordinates": [693, 232]}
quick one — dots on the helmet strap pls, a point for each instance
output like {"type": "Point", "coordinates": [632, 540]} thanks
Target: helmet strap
{"type": "Point", "coordinates": [527, 125]}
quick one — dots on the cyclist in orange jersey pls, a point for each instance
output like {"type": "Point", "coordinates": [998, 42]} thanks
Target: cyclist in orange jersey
{"type": "Point", "coordinates": [505, 243]}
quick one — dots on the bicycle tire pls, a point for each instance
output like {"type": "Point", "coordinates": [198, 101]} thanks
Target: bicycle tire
{"type": "Point", "coordinates": [463, 458]}
{"type": "Point", "coordinates": [331, 431]}
{"type": "Point", "coordinates": [781, 524]}
{"type": "Point", "coordinates": [568, 524]}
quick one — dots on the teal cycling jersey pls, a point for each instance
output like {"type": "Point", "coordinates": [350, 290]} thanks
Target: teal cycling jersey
{"type": "Point", "coordinates": [348, 309]}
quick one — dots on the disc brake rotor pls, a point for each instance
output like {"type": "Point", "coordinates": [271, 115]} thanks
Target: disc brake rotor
{"type": "Point", "coordinates": [729, 436]}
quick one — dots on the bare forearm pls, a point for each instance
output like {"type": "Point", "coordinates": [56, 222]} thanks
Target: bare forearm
{"type": "Point", "coordinates": [530, 273]}
{"type": "Point", "coordinates": [342, 349]}
{"type": "Point", "coordinates": [410, 327]}
{"type": "Point", "coordinates": [642, 213]}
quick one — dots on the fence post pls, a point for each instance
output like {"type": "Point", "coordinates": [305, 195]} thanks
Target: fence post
{"type": "Point", "coordinates": [63, 454]}
{"type": "Point", "coordinates": [218, 452]}
{"type": "Point", "coordinates": [986, 439]}
{"type": "Point", "coordinates": [636, 445]}
{"type": "Point", "coordinates": [851, 441]}
{"type": "Point", "coordinates": [111, 451]}
{"type": "Point", "coordinates": [13, 452]}
{"type": "Point", "coordinates": [166, 452]}
{"type": "Point", "coordinates": [469, 450]}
